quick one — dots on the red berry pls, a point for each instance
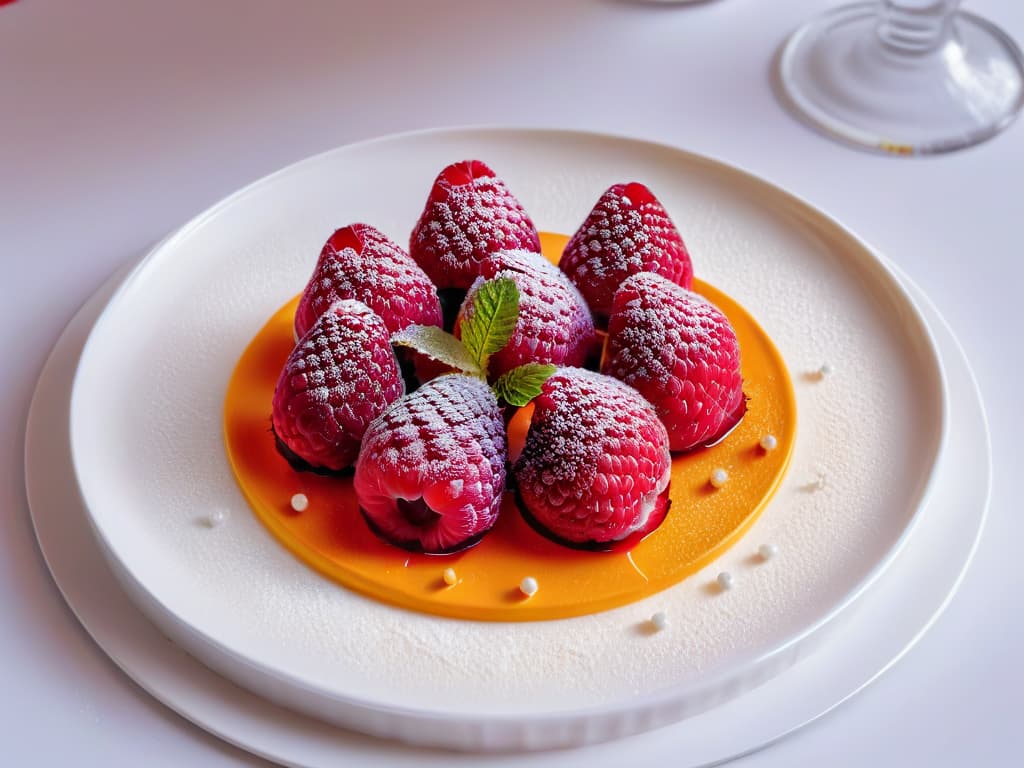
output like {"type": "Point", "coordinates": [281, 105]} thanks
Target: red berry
{"type": "Point", "coordinates": [360, 262]}
{"type": "Point", "coordinates": [679, 351]}
{"type": "Point", "coordinates": [341, 375]}
{"type": "Point", "coordinates": [426, 368]}
{"type": "Point", "coordinates": [628, 231]}
{"type": "Point", "coordinates": [554, 324]}
{"type": "Point", "coordinates": [469, 216]}
{"type": "Point", "coordinates": [596, 459]}
{"type": "Point", "coordinates": [431, 473]}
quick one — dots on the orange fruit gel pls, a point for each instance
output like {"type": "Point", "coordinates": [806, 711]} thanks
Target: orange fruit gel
{"type": "Point", "coordinates": [332, 537]}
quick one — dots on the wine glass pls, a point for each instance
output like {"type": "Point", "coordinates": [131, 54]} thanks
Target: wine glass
{"type": "Point", "coordinates": [907, 77]}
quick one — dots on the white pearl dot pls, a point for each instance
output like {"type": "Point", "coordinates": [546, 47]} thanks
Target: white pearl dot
{"type": "Point", "coordinates": [825, 370]}
{"type": "Point", "coordinates": [725, 580]}
{"type": "Point", "coordinates": [300, 502]}
{"type": "Point", "coordinates": [659, 620]}
{"type": "Point", "coordinates": [528, 586]}
{"type": "Point", "coordinates": [769, 443]}
{"type": "Point", "coordinates": [767, 551]}
{"type": "Point", "coordinates": [449, 576]}
{"type": "Point", "coordinates": [719, 477]}
{"type": "Point", "coordinates": [216, 518]}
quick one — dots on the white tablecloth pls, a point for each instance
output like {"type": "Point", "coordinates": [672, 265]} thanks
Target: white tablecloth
{"type": "Point", "coordinates": [119, 121]}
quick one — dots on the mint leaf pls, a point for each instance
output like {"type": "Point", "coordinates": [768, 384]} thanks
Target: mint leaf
{"type": "Point", "coordinates": [520, 385]}
{"type": "Point", "coordinates": [438, 345]}
{"type": "Point", "coordinates": [488, 324]}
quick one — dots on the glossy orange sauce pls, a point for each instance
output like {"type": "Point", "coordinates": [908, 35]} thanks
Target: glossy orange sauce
{"type": "Point", "coordinates": [332, 537]}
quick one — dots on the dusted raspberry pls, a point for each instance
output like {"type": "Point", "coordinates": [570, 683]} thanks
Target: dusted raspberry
{"type": "Point", "coordinates": [469, 216]}
{"type": "Point", "coordinates": [360, 262]}
{"type": "Point", "coordinates": [431, 473]}
{"type": "Point", "coordinates": [679, 351]}
{"type": "Point", "coordinates": [628, 231]}
{"type": "Point", "coordinates": [596, 459]}
{"type": "Point", "coordinates": [554, 324]}
{"type": "Point", "coordinates": [341, 375]}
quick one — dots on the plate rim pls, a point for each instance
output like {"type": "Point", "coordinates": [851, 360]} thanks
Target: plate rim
{"type": "Point", "coordinates": [650, 700]}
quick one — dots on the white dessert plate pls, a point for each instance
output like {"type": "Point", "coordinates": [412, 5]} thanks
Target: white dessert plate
{"type": "Point", "coordinates": [918, 585]}
{"type": "Point", "coordinates": [149, 459]}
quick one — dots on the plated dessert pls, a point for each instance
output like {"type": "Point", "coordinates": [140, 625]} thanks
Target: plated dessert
{"type": "Point", "coordinates": [505, 424]}
{"type": "Point", "coordinates": [405, 655]}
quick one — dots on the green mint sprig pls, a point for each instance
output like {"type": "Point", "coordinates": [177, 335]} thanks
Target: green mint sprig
{"type": "Point", "coordinates": [490, 320]}
{"type": "Point", "coordinates": [523, 383]}
{"type": "Point", "coordinates": [486, 327]}
{"type": "Point", "coordinates": [438, 345]}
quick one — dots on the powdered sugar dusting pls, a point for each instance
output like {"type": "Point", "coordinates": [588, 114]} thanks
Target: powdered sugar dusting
{"type": "Point", "coordinates": [679, 351]}
{"type": "Point", "coordinates": [554, 323]}
{"type": "Point", "coordinates": [338, 378]}
{"type": "Point", "coordinates": [445, 444]}
{"type": "Point", "coordinates": [596, 458]}
{"type": "Point", "coordinates": [466, 221]}
{"type": "Point", "coordinates": [624, 235]}
{"type": "Point", "coordinates": [360, 262]}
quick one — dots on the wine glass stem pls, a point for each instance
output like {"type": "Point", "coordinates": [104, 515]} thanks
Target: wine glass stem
{"type": "Point", "coordinates": [915, 27]}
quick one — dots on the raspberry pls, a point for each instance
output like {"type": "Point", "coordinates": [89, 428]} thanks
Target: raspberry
{"type": "Point", "coordinates": [679, 351]}
{"type": "Point", "coordinates": [341, 375]}
{"type": "Point", "coordinates": [554, 324]}
{"type": "Point", "coordinates": [431, 474]}
{"type": "Point", "coordinates": [360, 262]}
{"type": "Point", "coordinates": [596, 459]}
{"type": "Point", "coordinates": [628, 231]}
{"type": "Point", "coordinates": [469, 216]}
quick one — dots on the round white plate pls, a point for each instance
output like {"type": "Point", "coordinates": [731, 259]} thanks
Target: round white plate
{"type": "Point", "coordinates": [147, 449]}
{"type": "Point", "coordinates": [917, 587]}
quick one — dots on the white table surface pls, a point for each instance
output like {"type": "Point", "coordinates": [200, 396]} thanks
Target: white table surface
{"type": "Point", "coordinates": [121, 120]}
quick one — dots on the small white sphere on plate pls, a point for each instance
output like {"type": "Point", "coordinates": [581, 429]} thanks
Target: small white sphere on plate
{"type": "Point", "coordinates": [449, 576]}
{"type": "Point", "coordinates": [659, 620]}
{"type": "Point", "coordinates": [767, 551]}
{"type": "Point", "coordinates": [528, 586]}
{"type": "Point", "coordinates": [719, 477]}
{"type": "Point", "coordinates": [769, 443]}
{"type": "Point", "coordinates": [725, 580]}
{"type": "Point", "coordinates": [300, 502]}
{"type": "Point", "coordinates": [825, 370]}
{"type": "Point", "coordinates": [216, 518]}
